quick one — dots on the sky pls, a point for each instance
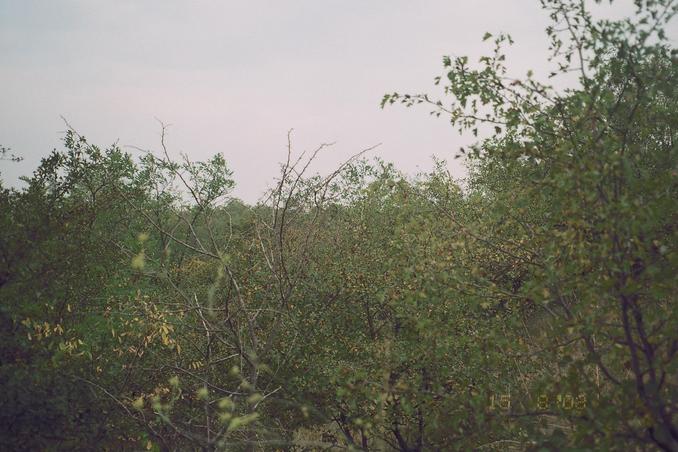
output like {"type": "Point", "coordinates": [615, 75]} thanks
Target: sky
{"type": "Point", "coordinates": [233, 77]}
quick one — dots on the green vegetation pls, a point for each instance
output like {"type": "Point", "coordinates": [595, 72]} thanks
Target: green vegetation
{"type": "Point", "coordinates": [529, 307]}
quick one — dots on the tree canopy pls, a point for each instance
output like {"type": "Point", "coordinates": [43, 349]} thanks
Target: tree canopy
{"type": "Point", "coordinates": [531, 306]}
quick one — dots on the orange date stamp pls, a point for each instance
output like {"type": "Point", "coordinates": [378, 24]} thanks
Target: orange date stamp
{"type": "Point", "coordinates": [542, 402]}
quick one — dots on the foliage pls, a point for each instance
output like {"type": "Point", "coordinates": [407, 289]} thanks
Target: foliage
{"type": "Point", "coordinates": [531, 306]}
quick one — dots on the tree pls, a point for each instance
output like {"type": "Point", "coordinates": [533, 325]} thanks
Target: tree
{"type": "Point", "coordinates": [596, 169]}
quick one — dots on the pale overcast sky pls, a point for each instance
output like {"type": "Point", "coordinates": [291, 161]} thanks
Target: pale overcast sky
{"type": "Point", "coordinates": [234, 76]}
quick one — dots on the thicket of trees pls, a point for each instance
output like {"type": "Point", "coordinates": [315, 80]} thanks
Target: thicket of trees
{"type": "Point", "coordinates": [529, 307]}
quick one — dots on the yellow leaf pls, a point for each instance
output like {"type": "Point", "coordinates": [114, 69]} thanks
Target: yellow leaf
{"type": "Point", "coordinates": [226, 403]}
{"type": "Point", "coordinates": [139, 261]}
{"type": "Point", "coordinates": [254, 398]}
{"type": "Point", "coordinates": [138, 403]}
{"type": "Point", "coordinates": [202, 393]}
